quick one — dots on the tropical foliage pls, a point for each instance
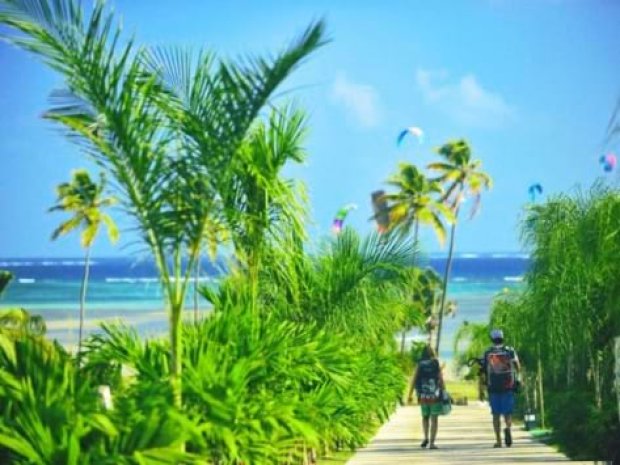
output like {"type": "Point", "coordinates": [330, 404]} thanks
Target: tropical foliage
{"type": "Point", "coordinates": [5, 279]}
{"type": "Point", "coordinates": [565, 322]}
{"type": "Point", "coordinates": [316, 372]}
{"type": "Point", "coordinates": [167, 127]}
{"type": "Point", "coordinates": [300, 364]}
{"type": "Point", "coordinates": [470, 342]}
{"type": "Point", "coordinates": [417, 200]}
{"type": "Point", "coordinates": [435, 202]}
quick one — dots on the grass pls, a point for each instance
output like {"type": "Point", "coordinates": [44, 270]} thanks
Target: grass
{"type": "Point", "coordinates": [541, 433]}
{"type": "Point", "coordinates": [460, 388]}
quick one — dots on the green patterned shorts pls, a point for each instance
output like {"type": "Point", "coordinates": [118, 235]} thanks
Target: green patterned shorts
{"type": "Point", "coordinates": [431, 409]}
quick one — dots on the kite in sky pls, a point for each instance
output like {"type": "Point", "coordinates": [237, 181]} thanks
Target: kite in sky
{"type": "Point", "coordinates": [609, 162]}
{"type": "Point", "coordinates": [414, 131]}
{"type": "Point", "coordinates": [341, 215]}
{"type": "Point", "coordinates": [534, 190]}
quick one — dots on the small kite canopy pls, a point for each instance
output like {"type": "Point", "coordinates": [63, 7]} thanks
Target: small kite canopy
{"type": "Point", "coordinates": [534, 190]}
{"type": "Point", "coordinates": [340, 216]}
{"type": "Point", "coordinates": [414, 131]}
{"type": "Point", "coordinates": [609, 162]}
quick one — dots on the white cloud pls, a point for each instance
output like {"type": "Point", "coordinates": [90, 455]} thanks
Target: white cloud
{"type": "Point", "coordinates": [360, 101]}
{"type": "Point", "coordinates": [466, 100]}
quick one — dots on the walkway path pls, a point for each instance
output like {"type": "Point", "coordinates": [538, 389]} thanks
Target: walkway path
{"type": "Point", "coordinates": [465, 437]}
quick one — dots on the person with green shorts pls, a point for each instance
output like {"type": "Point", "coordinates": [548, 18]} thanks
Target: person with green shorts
{"type": "Point", "coordinates": [428, 383]}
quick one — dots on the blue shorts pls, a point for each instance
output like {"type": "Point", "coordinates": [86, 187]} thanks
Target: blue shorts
{"type": "Point", "coordinates": [502, 403]}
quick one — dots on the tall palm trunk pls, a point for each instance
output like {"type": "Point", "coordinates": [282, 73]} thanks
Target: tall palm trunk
{"type": "Point", "coordinates": [196, 276]}
{"type": "Point", "coordinates": [446, 277]}
{"type": "Point", "coordinates": [416, 231]}
{"type": "Point", "coordinates": [176, 310]}
{"type": "Point", "coordinates": [176, 301]}
{"type": "Point", "coordinates": [83, 304]}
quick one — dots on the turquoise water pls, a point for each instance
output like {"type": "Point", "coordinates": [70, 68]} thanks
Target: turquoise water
{"type": "Point", "coordinates": [128, 288]}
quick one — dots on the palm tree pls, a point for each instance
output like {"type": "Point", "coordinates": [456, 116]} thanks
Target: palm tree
{"type": "Point", "coordinates": [5, 279]}
{"type": "Point", "coordinates": [259, 203]}
{"type": "Point", "coordinates": [420, 298]}
{"type": "Point", "coordinates": [463, 177]}
{"type": "Point", "coordinates": [475, 338]}
{"type": "Point", "coordinates": [159, 122]}
{"type": "Point", "coordinates": [415, 203]}
{"type": "Point", "coordinates": [84, 199]}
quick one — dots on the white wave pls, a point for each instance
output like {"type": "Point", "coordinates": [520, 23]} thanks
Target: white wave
{"type": "Point", "coordinates": [26, 280]}
{"type": "Point", "coordinates": [16, 264]}
{"type": "Point", "coordinates": [50, 263]}
{"type": "Point", "coordinates": [112, 280]}
{"type": "Point", "coordinates": [131, 280]}
{"type": "Point", "coordinates": [459, 279]}
{"type": "Point", "coordinates": [513, 279]}
{"type": "Point", "coordinates": [469, 255]}
{"type": "Point", "coordinates": [501, 255]}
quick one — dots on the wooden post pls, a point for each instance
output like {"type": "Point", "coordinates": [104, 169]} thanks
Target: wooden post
{"type": "Point", "coordinates": [541, 397]}
{"type": "Point", "coordinates": [541, 392]}
{"type": "Point", "coordinates": [617, 356]}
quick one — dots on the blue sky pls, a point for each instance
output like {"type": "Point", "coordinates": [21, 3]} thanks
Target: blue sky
{"type": "Point", "coordinates": [529, 83]}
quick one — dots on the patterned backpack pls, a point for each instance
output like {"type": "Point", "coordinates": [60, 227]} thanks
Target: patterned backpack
{"type": "Point", "coordinates": [500, 369]}
{"type": "Point", "coordinates": [427, 385]}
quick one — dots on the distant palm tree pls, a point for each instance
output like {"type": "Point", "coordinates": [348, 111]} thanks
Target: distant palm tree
{"type": "Point", "coordinates": [416, 201]}
{"type": "Point", "coordinates": [470, 342]}
{"type": "Point", "coordinates": [84, 200]}
{"type": "Point", "coordinates": [5, 279]}
{"type": "Point", "coordinates": [464, 178]}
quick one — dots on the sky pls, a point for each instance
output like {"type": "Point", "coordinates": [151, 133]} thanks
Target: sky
{"type": "Point", "coordinates": [530, 84]}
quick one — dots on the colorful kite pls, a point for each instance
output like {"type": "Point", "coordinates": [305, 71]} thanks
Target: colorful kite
{"type": "Point", "coordinates": [609, 162]}
{"type": "Point", "coordinates": [414, 131]}
{"type": "Point", "coordinates": [341, 216]}
{"type": "Point", "coordinates": [534, 190]}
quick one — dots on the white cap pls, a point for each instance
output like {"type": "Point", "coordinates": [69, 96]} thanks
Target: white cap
{"type": "Point", "coordinates": [497, 334]}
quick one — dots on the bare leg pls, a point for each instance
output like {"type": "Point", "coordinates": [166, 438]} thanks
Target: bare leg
{"type": "Point", "coordinates": [434, 425]}
{"type": "Point", "coordinates": [425, 424]}
{"type": "Point", "coordinates": [507, 433]}
{"type": "Point", "coordinates": [496, 427]}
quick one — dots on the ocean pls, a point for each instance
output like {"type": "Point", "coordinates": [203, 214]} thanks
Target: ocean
{"type": "Point", "coordinates": [128, 288]}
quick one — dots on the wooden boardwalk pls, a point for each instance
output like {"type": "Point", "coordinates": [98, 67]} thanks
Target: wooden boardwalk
{"type": "Point", "coordinates": [465, 437]}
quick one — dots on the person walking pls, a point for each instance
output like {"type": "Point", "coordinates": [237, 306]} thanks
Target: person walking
{"type": "Point", "coordinates": [428, 383]}
{"type": "Point", "coordinates": [500, 366]}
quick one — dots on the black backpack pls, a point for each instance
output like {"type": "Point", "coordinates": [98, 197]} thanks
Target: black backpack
{"type": "Point", "coordinates": [427, 383]}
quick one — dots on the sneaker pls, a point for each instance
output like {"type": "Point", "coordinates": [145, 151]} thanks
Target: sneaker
{"type": "Point", "coordinates": [507, 437]}
{"type": "Point", "coordinates": [497, 445]}
{"type": "Point", "coordinates": [424, 443]}
{"type": "Point", "coordinates": [433, 446]}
